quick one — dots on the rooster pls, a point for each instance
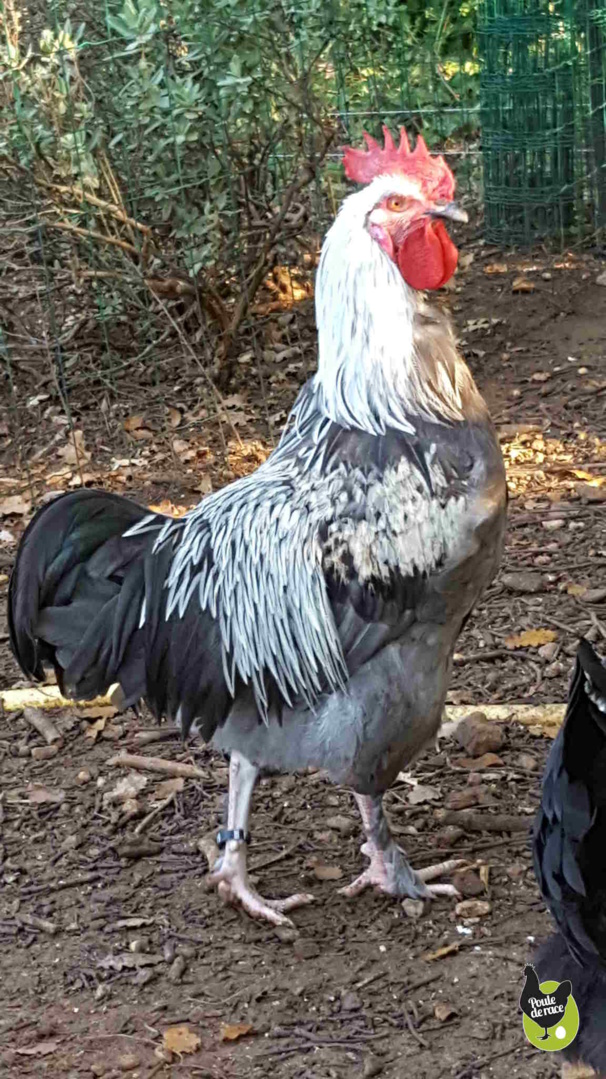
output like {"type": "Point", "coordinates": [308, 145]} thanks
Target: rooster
{"type": "Point", "coordinates": [305, 615]}
{"type": "Point", "coordinates": [570, 865]}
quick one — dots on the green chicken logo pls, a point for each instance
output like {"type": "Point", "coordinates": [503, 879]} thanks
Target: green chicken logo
{"type": "Point", "coordinates": [551, 1017]}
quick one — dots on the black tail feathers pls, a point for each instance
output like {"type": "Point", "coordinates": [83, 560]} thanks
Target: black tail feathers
{"type": "Point", "coordinates": [76, 592]}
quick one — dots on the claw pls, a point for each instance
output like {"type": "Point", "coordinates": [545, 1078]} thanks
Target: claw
{"type": "Point", "coordinates": [231, 878]}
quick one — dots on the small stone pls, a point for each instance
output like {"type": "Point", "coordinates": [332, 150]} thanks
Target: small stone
{"type": "Point", "coordinates": [548, 651]}
{"type": "Point", "coordinates": [102, 991]}
{"type": "Point", "coordinates": [99, 1068]}
{"type": "Point", "coordinates": [177, 969]}
{"type": "Point", "coordinates": [304, 948]}
{"type": "Point", "coordinates": [44, 753]}
{"type": "Point", "coordinates": [594, 595]}
{"type": "Point", "coordinates": [601, 278]}
{"type": "Point", "coordinates": [128, 1061]}
{"type": "Point", "coordinates": [350, 1002]}
{"type": "Point", "coordinates": [448, 836]}
{"type": "Point", "coordinates": [462, 799]}
{"type": "Point", "coordinates": [345, 825]}
{"type": "Point", "coordinates": [163, 1054]}
{"type": "Point", "coordinates": [413, 908]}
{"type": "Point", "coordinates": [473, 908]}
{"type": "Point", "coordinates": [553, 525]}
{"type": "Point", "coordinates": [554, 670]}
{"type": "Point", "coordinates": [421, 794]}
{"type": "Point", "coordinates": [477, 736]}
{"type": "Point", "coordinates": [591, 493]}
{"type": "Point", "coordinates": [286, 933]}
{"type": "Point", "coordinates": [145, 976]}
{"type": "Point", "coordinates": [372, 1066]}
{"type": "Point", "coordinates": [467, 883]}
{"type": "Point", "coordinates": [515, 872]}
{"type": "Point", "coordinates": [83, 777]}
{"type": "Point", "coordinates": [525, 761]}
{"type": "Point", "coordinates": [188, 950]}
{"type": "Point", "coordinates": [524, 582]}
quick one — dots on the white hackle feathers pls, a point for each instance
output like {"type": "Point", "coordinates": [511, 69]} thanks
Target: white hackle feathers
{"type": "Point", "coordinates": [372, 374]}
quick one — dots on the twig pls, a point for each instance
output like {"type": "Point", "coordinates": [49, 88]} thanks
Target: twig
{"type": "Point", "coordinates": [91, 234]}
{"type": "Point", "coordinates": [496, 653]}
{"type": "Point", "coordinates": [471, 1069]}
{"type": "Point", "coordinates": [142, 825]}
{"type": "Point", "coordinates": [156, 764]}
{"type": "Point", "coordinates": [420, 983]}
{"type": "Point", "coordinates": [145, 738]}
{"type": "Point", "coordinates": [43, 724]}
{"type": "Point", "coordinates": [478, 822]}
{"type": "Point", "coordinates": [222, 413]}
{"type": "Point", "coordinates": [85, 196]}
{"type": "Point", "coordinates": [415, 1034]}
{"type": "Point", "coordinates": [264, 862]}
{"type": "Point", "coordinates": [61, 885]}
{"type": "Point", "coordinates": [256, 276]}
{"type": "Point", "coordinates": [32, 922]}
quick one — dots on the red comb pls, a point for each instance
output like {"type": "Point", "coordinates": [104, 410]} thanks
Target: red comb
{"type": "Point", "coordinates": [432, 173]}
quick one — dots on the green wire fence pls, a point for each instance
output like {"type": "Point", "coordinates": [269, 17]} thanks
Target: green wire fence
{"type": "Point", "coordinates": [542, 94]}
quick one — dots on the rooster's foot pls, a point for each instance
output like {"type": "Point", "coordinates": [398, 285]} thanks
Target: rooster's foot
{"type": "Point", "coordinates": [389, 872]}
{"type": "Point", "coordinates": [230, 876]}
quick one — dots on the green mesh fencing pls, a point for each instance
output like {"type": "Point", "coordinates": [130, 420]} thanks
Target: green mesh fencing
{"type": "Point", "coordinates": [542, 114]}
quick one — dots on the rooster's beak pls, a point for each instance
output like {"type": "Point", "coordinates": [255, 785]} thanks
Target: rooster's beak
{"type": "Point", "coordinates": [449, 210]}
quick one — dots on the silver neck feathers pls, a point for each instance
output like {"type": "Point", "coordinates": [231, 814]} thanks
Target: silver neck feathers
{"type": "Point", "coordinates": [384, 355]}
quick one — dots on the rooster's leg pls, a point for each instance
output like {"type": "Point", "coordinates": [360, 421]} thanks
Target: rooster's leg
{"type": "Point", "coordinates": [389, 869]}
{"type": "Point", "coordinates": [230, 872]}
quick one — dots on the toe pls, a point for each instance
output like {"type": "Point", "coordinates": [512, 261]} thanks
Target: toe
{"type": "Point", "coordinates": [252, 903]}
{"type": "Point", "coordinates": [443, 889]}
{"type": "Point", "coordinates": [433, 871]}
{"type": "Point", "coordinates": [357, 886]}
{"type": "Point", "coordinates": [301, 899]}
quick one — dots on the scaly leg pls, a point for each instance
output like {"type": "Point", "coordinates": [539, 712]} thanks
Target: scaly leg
{"type": "Point", "coordinates": [389, 869]}
{"type": "Point", "coordinates": [230, 872]}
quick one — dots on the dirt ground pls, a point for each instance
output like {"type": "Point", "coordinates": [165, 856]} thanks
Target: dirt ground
{"type": "Point", "coordinates": [109, 937]}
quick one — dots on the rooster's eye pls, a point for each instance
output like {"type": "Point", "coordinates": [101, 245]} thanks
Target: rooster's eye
{"type": "Point", "coordinates": [396, 203]}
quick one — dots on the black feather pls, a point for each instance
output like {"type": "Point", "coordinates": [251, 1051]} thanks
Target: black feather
{"type": "Point", "coordinates": [569, 860]}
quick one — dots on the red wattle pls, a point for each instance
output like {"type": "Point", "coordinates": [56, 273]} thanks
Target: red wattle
{"type": "Point", "coordinates": [428, 258]}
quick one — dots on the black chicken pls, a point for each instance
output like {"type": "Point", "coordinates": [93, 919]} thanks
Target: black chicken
{"type": "Point", "coordinates": [570, 859]}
